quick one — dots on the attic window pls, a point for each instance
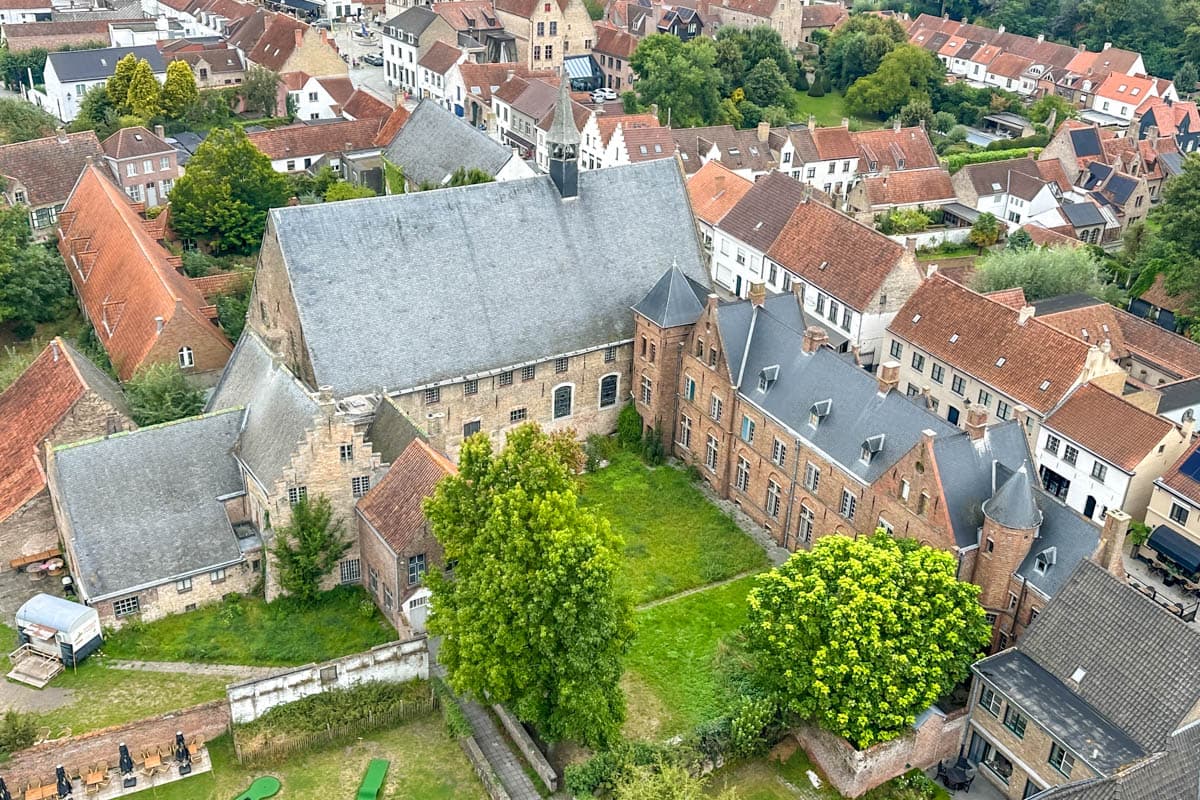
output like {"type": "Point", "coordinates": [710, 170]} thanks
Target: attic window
{"type": "Point", "coordinates": [916, 318]}
{"type": "Point", "coordinates": [767, 377]}
{"type": "Point", "coordinates": [1078, 675]}
{"type": "Point", "coordinates": [1045, 560]}
{"type": "Point", "coordinates": [1135, 91]}
{"type": "Point", "coordinates": [1121, 88]}
{"type": "Point", "coordinates": [753, 151]}
{"type": "Point", "coordinates": [658, 148]}
{"type": "Point", "coordinates": [1045, 385]}
{"type": "Point", "coordinates": [1000, 361]}
{"type": "Point", "coordinates": [824, 264]}
{"type": "Point", "coordinates": [996, 187]}
{"type": "Point", "coordinates": [643, 149]}
{"type": "Point", "coordinates": [870, 447]}
{"type": "Point", "coordinates": [819, 410]}
{"type": "Point", "coordinates": [733, 151]}
{"type": "Point", "coordinates": [953, 338]}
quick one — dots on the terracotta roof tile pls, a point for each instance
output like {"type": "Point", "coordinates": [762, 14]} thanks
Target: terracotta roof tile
{"type": "Point", "coordinates": [834, 143]}
{"type": "Point", "coordinates": [393, 506]}
{"type": "Point", "coordinates": [47, 167]}
{"type": "Point", "coordinates": [909, 186]}
{"type": "Point", "coordinates": [756, 8]}
{"type": "Point", "coordinates": [823, 15]}
{"type": "Point", "coordinates": [391, 127]}
{"type": "Point", "coordinates": [1035, 354]}
{"type": "Point", "coordinates": [277, 42]}
{"type": "Point", "coordinates": [830, 250]}
{"type": "Point", "coordinates": [762, 212]}
{"type": "Point", "coordinates": [1013, 298]}
{"type": "Point", "coordinates": [440, 57]}
{"type": "Point", "coordinates": [1117, 431]}
{"type": "Point", "coordinates": [220, 283]}
{"type": "Point", "coordinates": [1129, 335]}
{"type": "Point", "coordinates": [907, 148]}
{"type": "Point", "coordinates": [614, 42]}
{"type": "Point", "coordinates": [739, 149]}
{"type": "Point", "coordinates": [645, 143]}
{"type": "Point", "coordinates": [468, 15]}
{"type": "Point", "coordinates": [1132, 89]}
{"type": "Point", "coordinates": [1175, 479]}
{"type": "Point", "coordinates": [1009, 65]}
{"type": "Point", "coordinates": [364, 105]}
{"type": "Point", "coordinates": [130, 279]}
{"type": "Point", "coordinates": [1044, 237]}
{"type": "Point", "coordinates": [1157, 295]}
{"type": "Point", "coordinates": [298, 141]}
{"type": "Point", "coordinates": [607, 123]}
{"type": "Point", "coordinates": [56, 35]}
{"type": "Point", "coordinates": [1051, 170]}
{"type": "Point", "coordinates": [715, 189]}
{"type": "Point", "coordinates": [134, 142]}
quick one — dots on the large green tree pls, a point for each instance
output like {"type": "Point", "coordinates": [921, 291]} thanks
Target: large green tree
{"type": "Point", "coordinates": [96, 113]}
{"type": "Point", "coordinates": [905, 74]}
{"type": "Point", "coordinates": [1041, 271]}
{"type": "Point", "coordinates": [117, 86]}
{"type": "Point", "coordinates": [144, 98]}
{"type": "Point", "coordinates": [226, 192]}
{"type": "Point", "coordinates": [161, 393]}
{"type": "Point", "coordinates": [21, 121]}
{"type": "Point", "coordinates": [533, 616]}
{"type": "Point", "coordinates": [861, 635]}
{"type": "Point", "coordinates": [260, 90]}
{"type": "Point", "coordinates": [34, 286]}
{"type": "Point", "coordinates": [308, 548]}
{"type": "Point", "coordinates": [766, 85]}
{"type": "Point", "coordinates": [857, 46]}
{"type": "Point", "coordinates": [1178, 221]}
{"type": "Point", "coordinates": [179, 92]}
{"type": "Point", "coordinates": [680, 78]}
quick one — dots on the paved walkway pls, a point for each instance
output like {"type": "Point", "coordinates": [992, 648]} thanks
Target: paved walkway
{"type": "Point", "coordinates": [235, 672]}
{"type": "Point", "coordinates": [671, 598]}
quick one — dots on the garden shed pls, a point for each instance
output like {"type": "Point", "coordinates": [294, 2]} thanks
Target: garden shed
{"type": "Point", "coordinates": [59, 628]}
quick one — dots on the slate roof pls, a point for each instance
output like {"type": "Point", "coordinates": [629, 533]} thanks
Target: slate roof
{"type": "Point", "coordinates": [830, 250]}
{"type": "Point", "coordinates": [888, 147]}
{"type": "Point", "coordinates": [278, 411]}
{"type": "Point", "coordinates": [393, 507]}
{"type": "Point", "coordinates": [390, 431]}
{"type": "Point", "coordinates": [143, 506]}
{"type": "Point", "coordinates": [714, 189]}
{"type": "Point", "coordinates": [300, 140]}
{"type": "Point", "coordinates": [966, 470]}
{"type": "Point", "coordinates": [434, 143]}
{"type": "Point", "coordinates": [1177, 395]}
{"type": "Point", "coordinates": [130, 278]}
{"type": "Point", "coordinates": [1066, 538]}
{"type": "Point", "coordinates": [413, 20]}
{"type": "Point", "coordinates": [544, 276]}
{"type": "Point", "coordinates": [759, 217]}
{"type": "Point", "coordinates": [675, 300]}
{"type": "Point", "coordinates": [90, 65]}
{"type": "Point", "coordinates": [134, 142]}
{"type": "Point", "coordinates": [1119, 432]}
{"type": "Point", "coordinates": [1012, 505]}
{"type": "Point", "coordinates": [1142, 663]}
{"type": "Point", "coordinates": [1034, 353]}
{"type": "Point", "coordinates": [32, 406]}
{"type": "Point", "coordinates": [48, 168]}
{"type": "Point", "coordinates": [1082, 215]}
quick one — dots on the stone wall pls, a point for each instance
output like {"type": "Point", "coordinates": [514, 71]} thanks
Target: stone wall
{"type": "Point", "coordinates": [853, 772]}
{"type": "Point", "coordinates": [396, 662]}
{"type": "Point", "coordinates": [272, 310]}
{"type": "Point", "coordinates": [175, 597]}
{"type": "Point", "coordinates": [37, 763]}
{"type": "Point", "coordinates": [524, 742]}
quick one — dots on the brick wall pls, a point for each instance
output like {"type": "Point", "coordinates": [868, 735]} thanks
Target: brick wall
{"type": "Point", "coordinates": [210, 348]}
{"type": "Point", "coordinates": [159, 601]}
{"type": "Point", "coordinates": [204, 722]}
{"type": "Point", "coordinates": [272, 310]}
{"type": "Point", "coordinates": [853, 772]}
{"type": "Point", "coordinates": [379, 561]}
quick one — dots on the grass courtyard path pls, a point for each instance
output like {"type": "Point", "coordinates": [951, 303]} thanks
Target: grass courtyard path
{"type": "Point", "coordinates": [689, 592]}
{"type": "Point", "coordinates": [233, 672]}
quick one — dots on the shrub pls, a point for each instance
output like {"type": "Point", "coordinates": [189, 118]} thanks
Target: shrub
{"type": "Point", "coordinates": [197, 264]}
{"type": "Point", "coordinates": [599, 448]}
{"type": "Point", "coordinates": [24, 330]}
{"type": "Point", "coordinates": [336, 707]}
{"type": "Point", "coordinates": [457, 724]}
{"type": "Point", "coordinates": [629, 427]}
{"type": "Point", "coordinates": [603, 772]}
{"type": "Point", "coordinates": [1139, 532]}
{"type": "Point", "coordinates": [749, 725]}
{"type": "Point", "coordinates": [1037, 140]}
{"type": "Point", "coordinates": [959, 160]}
{"type": "Point", "coordinates": [17, 731]}
{"type": "Point", "coordinates": [652, 448]}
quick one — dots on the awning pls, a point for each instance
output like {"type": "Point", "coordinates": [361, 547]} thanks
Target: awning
{"type": "Point", "coordinates": [1177, 547]}
{"type": "Point", "coordinates": [303, 5]}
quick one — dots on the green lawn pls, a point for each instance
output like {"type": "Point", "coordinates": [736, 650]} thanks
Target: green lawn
{"type": "Point", "coordinates": [426, 765]}
{"type": "Point", "coordinates": [828, 111]}
{"type": "Point", "coordinates": [250, 631]}
{"type": "Point", "coordinates": [671, 683]}
{"type": "Point", "coordinates": [769, 779]}
{"type": "Point", "coordinates": [674, 538]}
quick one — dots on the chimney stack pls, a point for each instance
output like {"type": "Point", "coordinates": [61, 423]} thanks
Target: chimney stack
{"type": "Point", "coordinates": [1112, 542]}
{"type": "Point", "coordinates": [764, 131]}
{"type": "Point", "coordinates": [1025, 314]}
{"type": "Point", "coordinates": [846, 123]}
{"type": "Point", "coordinates": [61, 133]}
{"type": "Point", "coordinates": [812, 122]}
{"type": "Point", "coordinates": [160, 131]}
{"type": "Point", "coordinates": [757, 294]}
{"type": "Point", "coordinates": [889, 376]}
{"type": "Point", "coordinates": [299, 34]}
{"type": "Point", "coordinates": [896, 124]}
{"type": "Point", "coordinates": [158, 325]}
{"type": "Point", "coordinates": [1189, 424]}
{"type": "Point", "coordinates": [814, 337]}
{"type": "Point", "coordinates": [976, 423]}
{"type": "Point", "coordinates": [54, 347]}
{"type": "Point", "coordinates": [1041, 38]}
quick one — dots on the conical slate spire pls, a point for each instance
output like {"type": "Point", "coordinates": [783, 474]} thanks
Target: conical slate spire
{"type": "Point", "coordinates": [562, 129]}
{"type": "Point", "coordinates": [1012, 505]}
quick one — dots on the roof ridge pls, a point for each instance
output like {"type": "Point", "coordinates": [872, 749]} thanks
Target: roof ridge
{"type": "Point", "coordinates": [146, 428]}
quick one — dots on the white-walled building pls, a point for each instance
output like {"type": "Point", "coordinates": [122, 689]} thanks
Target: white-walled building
{"type": "Point", "coordinates": [318, 98]}
{"type": "Point", "coordinates": [69, 75]}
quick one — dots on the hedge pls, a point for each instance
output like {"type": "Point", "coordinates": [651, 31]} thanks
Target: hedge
{"type": "Point", "coordinates": [956, 162]}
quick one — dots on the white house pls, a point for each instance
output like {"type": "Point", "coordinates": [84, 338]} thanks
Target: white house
{"type": "Point", "coordinates": [744, 235]}
{"type": "Point", "coordinates": [295, 148]}
{"type": "Point", "coordinates": [1121, 95]}
{"type": "Point", "coordinates": [824, 158]}
{"type": "Point", "coordinates": [318, 98]}
{"type": "Point", "coordinates": [402, 50]}
{"type": "Point", "coordinates": [438, 78]}
{"type": "Point", "coordinates": [1097, 452]}
{"type": "Point", "coordinates": [14, 12]}
{"type": "Point", "coordinates": [144, 31]}
{"type": "Point", "coordinates": [70, 74]}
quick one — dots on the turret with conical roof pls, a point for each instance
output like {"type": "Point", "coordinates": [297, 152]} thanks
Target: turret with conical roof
{"type": "Point", "coordinates": [1012, 504]}
{"type": "Point", "coordinates": [1011, 519]}
{"type": "Point", "coordinates": [563, 142]}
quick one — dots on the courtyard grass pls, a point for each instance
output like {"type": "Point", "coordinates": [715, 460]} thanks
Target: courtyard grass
{"type": "Point", "coordinates": [772, 779]}
{"type": "Point", "coordinates": [828, 110]}
{"type": "Point", "coordinates": [671, 681]}
{"type": "Point", "coordinates": [426, 764]}
{"type": "Point", "coordinates": [250, 631]}
{"type": "Point", "coordinates": [675, 539]}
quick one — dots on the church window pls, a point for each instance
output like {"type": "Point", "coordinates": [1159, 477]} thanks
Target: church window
{"type": "Point", "coordinates": [608, 390]}
{"type": "Point", "coordinates": [563, 397]}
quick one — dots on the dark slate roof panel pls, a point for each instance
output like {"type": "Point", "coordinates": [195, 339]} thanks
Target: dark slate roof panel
{"type": "Point", "coordinates": [1082, 214]}
{"type": "Point", "coordinates": [1065, 302]}
{"type": "Point", "coordinates": [1182, 394]}
{"type": "Point", "coordinates": [1013, 504]}
{"type": "Point", "coordinates": [675, 300]}
{"type": "Point", "coordinates": [492, 275]}
{"type": "Point", "coordinates": [89, 65]}
{"type": "Point", "coordinates": [434, 143]}
{"type": "Point", "coordinates": [413, 20]}
{"type": "Point", "coordinates": [1066, 537]}
{"type": "Point", "coordinates": [1068, 717]}
{"type": "Point", "coordinates": [965, 468]}
{"type": "Point", "coordinates": [1086, 142]}
{"type": "Point", "coordinates": [144, 505]}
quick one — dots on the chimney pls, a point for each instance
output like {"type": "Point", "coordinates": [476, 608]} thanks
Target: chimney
{"type": "Point", "coordinates": [1112, 542]}
{"type": "Point", "coordinates": [508, 74]}
{"type": "Point", "coordinates": [299, 34]}
{"type": "Point", "coordinates": [846, 123]}
{"type": "Point", "coordinates": [1041, 38]}
{"type": "Point", "coordinates": [814, 337]}
{"type": "Point", "coordinates": [713, 299]}
{"type": "Point", "coordinates": [1152, 135]}
{"type": "Point", "coordinates": [976, 423]}
{"type": "Point", "coordinates": [1189, 425]}
{"type": "Point", "coordinates": [160, 131]}
{"type": "Point", "coordinates": [324, 394]}
{"type": "Point", "coordinates": [764, 130]}
{"type": "Point", "coordinates": [654, 109]}
{"type": "Point", "coordinates": [757, 294]}
{"type": "Point", "coordinates": [158, 325]}
{"type": "Point", "coordinates": [1000, 30]}
{"type": "Point", "coordinates": [910, 244]}
{"type": "Point", "coordinates": [61, 133]}
{"type": "Point", "coordinates": [812, 122]}
{"type": "Point", "coordinates": [1025, 314]}
{"type": "Point", "coordinates": [896, 124]}
{"type": "Point", "coordinates": [889, 376]}
{"type": "Point", "coordinates": [54, 347]}
{"type": "Point", "coordinates": [856, 352]}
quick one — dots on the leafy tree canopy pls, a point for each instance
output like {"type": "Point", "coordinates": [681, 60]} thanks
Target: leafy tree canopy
{"type": "Point", "coordinates": [1178, 220]}
{"type": "Point", "coordinates": [308, 548]}
{"type": "Point", "coordinates": [858, 45]}
{"type": "Point", "coordinates": [161, 393]}
{"type": "Point", "coordinates": [117, 86]}
{"type": "Point", "coordinates": [21, 121]}
{"type": "Point", "coordinates": [226, 192]}
{"type": "Point", "coordinates": [533, 617]}
{"type": "Point", "coordinates": [344, 190]}
{"type": "Point", "coordinates": [766, 85]}
{"type": "Point", "coordinates": [986, 230]}
{"type": "Point", "coordinates": [681, 78]}
{"type": "Point", "coordinates": [144, 99]}
{"type": "Point", "coordinates": [906, 74]}
{"type": "Point", "coordinates": [260, 90]}
{"type": "Point", "coordinates": [1041, 272]}
{"type": "Point", "coordinates": [861, 635]}
{"type": "Point", "coordinates": [34, 286]}
{"type": "Point", "coordinates": [96, 113]}
{"type": "Point", "coordinates": [179, 92]}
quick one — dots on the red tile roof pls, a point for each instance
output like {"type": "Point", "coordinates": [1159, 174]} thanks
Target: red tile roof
{"type": "Point", "coordinates": [1157, 295]}
{"type": "Point", "coordinates": [756, 8]}
{"type": "Point", "coordinates": [1034, 354]}
{"type": "Point", "coordinates": [440, 57]}
{"type": "Point", "coordinates": [221, 283]}
{"type": "Point", "coordinates": [908, 187]}
{"type": "Point", "coordinates": [614, 42]}
{"type": "Point", "coordinates": [1129, 336]}
{"type": "Point", "coordinates": [714, 189]}
{"type": "Point", "coordinates": [607, 123]}
{"type": "Point", "coordinates": [300, 140]}
{"type": "Point", "coordinates": [646, 143]}
{"type": "Point", "coordinates": [56, 35]}
{"type": "Point", "coordinates": [391, 127]}
{"type": "Point", "coordinates": [1117, 431]}
{"type": "Point", "coordinates": [134, 143]}
{"type": "Point", "coordinates": [1044, 237]}
{"type": "Point", "coordinates": [823, 15]}
{"type": "Point", "coordinates": [1176, 480]}
{"type": "Point", "coordinates": [1132, 89]}
{"type": "Point", "coordinates": [393, 506]}
{"type": "Point", "coordinates": [128, 278]}
{"type": "Point", "coordinates": [48, 168]}
{"type": "Point", "coordinates": [1013, 298]}
{"type": "Point", "coordinates": [524, 8]}
{"type": "Point", "coordinates": [1009, 65]}
{"type": "Point", "coordinates": [482, 79]}
{"type": "Point", "coordinates": [468, 15]}
{"type": "Point", "coordinates": [340, 87]}
{"type": "Point", "coordinates": [278, 41]}
{"type": "Point", "coordinates": [364, 105]}
{"type": "Point", "coordinates": [29, 410]}
{"type": "Point", "coordinates": [906, 148]}
{"type": "Point", "coordinates": [830, 250]}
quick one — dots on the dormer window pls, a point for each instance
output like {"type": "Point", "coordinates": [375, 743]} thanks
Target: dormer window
{"type": "Point", "coordinates": [1045, 560]}
{"type": "Point", "coordinates": [870, 448]}
{"type": "Point", "coordinates": [818, 411]}
{"type": "Point", "coordinates": [767, 377]}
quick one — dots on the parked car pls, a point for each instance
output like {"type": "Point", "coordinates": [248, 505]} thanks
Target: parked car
{"type": "Point", "coordinates": [323, 22]}
{"type": "Point", "coordinates": [603, 94]}
{"type": "Point", "coordinates": [374, 59]}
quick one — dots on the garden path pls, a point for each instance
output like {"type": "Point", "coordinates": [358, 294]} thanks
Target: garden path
{"type": "Point", "coordinates": [235, 672]}
{"type": "Point", "coordinates": [696, 590]}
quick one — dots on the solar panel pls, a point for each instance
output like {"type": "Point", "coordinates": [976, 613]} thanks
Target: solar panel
{"type": "Point", "coordinates": [1191, 466]}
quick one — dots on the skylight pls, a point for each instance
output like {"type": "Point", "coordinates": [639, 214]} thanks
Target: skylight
{"type": "Point", "coordinates": [916, 317]}
{"type": "Point", "coordinates": [1000, 361]}
{"type": "Point", "coordinates": [953, 338]}
{"type": "Point", "coordinates": [824, 264]}
{"type": "Point", "coordinates": [1045, 385]}
{"type": "Point", "coordinates": [1078, 675]}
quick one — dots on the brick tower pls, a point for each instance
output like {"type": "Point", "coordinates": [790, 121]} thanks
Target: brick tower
{"type": "Point", "coordinates": [1011, 519]}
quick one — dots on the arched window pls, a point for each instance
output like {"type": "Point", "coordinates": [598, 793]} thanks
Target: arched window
{"type": "Point", "coordinates": [185, 357]}
{"type": "Point", "coordinates": [608, 390]}
{"type": "Point", "coordinates": [563, 397]}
